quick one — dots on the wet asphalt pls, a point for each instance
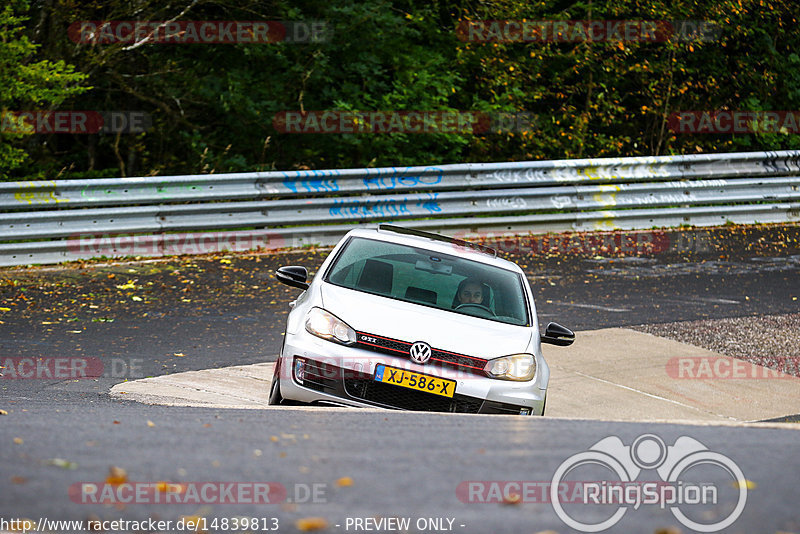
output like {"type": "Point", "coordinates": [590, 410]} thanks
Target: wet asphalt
{"type": "Point", "coordinates": [150, 318]}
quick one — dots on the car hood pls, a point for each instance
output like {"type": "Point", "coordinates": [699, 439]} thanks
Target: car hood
{"type": "Point", "coordinates": [410, 322]}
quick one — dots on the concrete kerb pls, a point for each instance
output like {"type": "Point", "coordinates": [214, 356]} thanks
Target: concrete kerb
{"type": "Point", "coordinates": [594, 379]}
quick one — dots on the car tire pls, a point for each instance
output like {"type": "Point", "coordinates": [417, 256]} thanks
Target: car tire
{"type": "Point", "coordinates": [275, 397]}
{"type": "Point", "coordinates": [544, 404]}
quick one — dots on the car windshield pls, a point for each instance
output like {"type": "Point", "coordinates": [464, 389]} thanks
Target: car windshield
{"type": "Point", "coordinates": [432, 279]}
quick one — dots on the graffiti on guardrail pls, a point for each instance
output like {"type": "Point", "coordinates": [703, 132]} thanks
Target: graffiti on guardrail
{"type": "Point", "coordinates": [354, 208]}
{"type": "Point", "coordinates": [311, 181]}
{"type": "Point", "coordinates": [42, 192]}
{"type": "Point", "coordinates": [782, 164]}
{"type": "Point", "coordinates": [506, 203]}
{"type": "Point", "coordinates": [742, 187]}
{"type": "Point", "coordinates": [514, 176]}
{"type": "Point", "coordinates": [410, 177]}
{"type": "Point", "coordinates": [163, 190]}
{"type": "Point", "coordinates": [383, 179]}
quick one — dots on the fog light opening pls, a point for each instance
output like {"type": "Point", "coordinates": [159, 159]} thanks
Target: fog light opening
{"type": "Point", "coordinates": [299, 370]}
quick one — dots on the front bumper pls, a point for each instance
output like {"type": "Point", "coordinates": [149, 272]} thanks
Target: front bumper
{"type": "Point", "coordinates": [335, 374]}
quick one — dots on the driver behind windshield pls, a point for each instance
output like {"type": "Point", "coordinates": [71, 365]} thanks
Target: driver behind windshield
{"type": "Point", "coordinates": [470, 291]}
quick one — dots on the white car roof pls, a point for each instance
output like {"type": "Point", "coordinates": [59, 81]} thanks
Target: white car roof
{"type": "Point", "coordinates": [442, 247]}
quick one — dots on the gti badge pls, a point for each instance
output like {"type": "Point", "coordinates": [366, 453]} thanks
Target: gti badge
{"type": "Point", "coordinates": [420, 352]}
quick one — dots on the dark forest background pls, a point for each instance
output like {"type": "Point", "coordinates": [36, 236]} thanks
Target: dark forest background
{"type": "Point", "coordinates": [212, 105]}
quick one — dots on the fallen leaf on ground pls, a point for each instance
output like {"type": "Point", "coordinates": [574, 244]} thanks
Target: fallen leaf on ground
{"type": "Point", "coordinates": [116, 476]}
{"type": "Point", "coordinates": [311, 523]}
{"type": "Point", "coordinates": [19, 441]}
{"type": "Point", "coordinates": [62, 463]}
{"type": "Point", "coordinates": [344, 482]}
{"type": "Point", "coordinates": [150, 423]}
{"type": "Point", "coordinates": [749, 484]}
{"type": "Point", "coordinates": [170, 487]}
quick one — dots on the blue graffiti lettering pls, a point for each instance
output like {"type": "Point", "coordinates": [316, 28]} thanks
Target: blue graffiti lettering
{"type": "Point", "coordinates": [431, 204]}
{"type": "Point", "coordinates": [404, 178]}
{"type": "Point", "coordinates": [353, 208]}
{"type": "Point", "coordinates": [311, 181]}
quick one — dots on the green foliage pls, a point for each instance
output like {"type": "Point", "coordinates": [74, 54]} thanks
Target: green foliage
{"type": "Point", "coordinates": [26, 84]}
{"type": "Point", "coordinates": [213, 105]}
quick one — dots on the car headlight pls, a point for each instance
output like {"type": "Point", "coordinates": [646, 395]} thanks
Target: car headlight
{"type": "Point", "coordinates": [326, 325]}
{"type": "Point", "coordinates": [518, 367]}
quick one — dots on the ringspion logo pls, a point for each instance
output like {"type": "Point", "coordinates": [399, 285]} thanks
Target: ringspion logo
{"type": "Point", "coordinates": [704, 490]}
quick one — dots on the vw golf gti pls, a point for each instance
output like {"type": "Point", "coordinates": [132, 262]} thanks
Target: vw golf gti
{"type": "Point", "coordinates": [404, 319]}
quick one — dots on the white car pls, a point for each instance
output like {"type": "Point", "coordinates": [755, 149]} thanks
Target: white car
{"type": "Point", "coordinates": [410, 320]}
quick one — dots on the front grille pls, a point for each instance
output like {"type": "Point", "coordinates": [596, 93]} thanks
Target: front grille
{"type": "Point", "coordinates": [320, 376]}
{"type": "Point", "coordinates": [396, 347]}
{"type": "Point", "coordinates": [369, 390]}
{"type": "Point", "coordinates": [343, 383]}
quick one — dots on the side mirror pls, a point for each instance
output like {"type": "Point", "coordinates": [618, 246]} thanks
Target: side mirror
{"type": "Point", "coordinates": [555, 334]}
{"type": "Point", "coordinates": [293, 275]}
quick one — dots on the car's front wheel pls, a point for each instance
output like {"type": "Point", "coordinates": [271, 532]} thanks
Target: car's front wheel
{"type": "Point", "coordinates": [275, 397]}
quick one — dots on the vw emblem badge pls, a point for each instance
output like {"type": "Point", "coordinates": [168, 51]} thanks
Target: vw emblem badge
{"type": "Point", "coordinates": [420, 352]}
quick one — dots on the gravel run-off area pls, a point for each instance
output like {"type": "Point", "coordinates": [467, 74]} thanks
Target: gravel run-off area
{"type": "Point", "coordinates": [771, 341]}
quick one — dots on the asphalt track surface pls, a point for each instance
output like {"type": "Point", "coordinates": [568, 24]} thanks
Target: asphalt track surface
{"type": "Point", "coordinates": [152, 318]}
